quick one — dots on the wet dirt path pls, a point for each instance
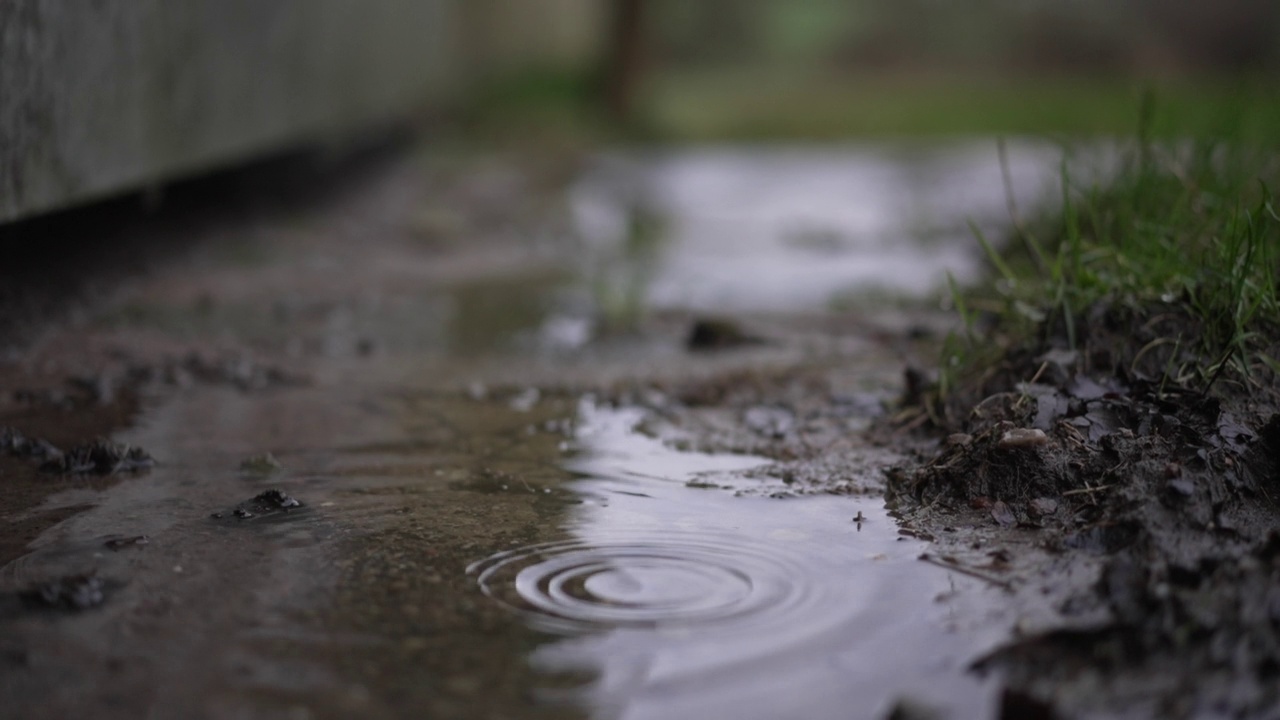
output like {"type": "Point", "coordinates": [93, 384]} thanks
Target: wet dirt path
{"type": "Point", "coordinates": [522, 493]}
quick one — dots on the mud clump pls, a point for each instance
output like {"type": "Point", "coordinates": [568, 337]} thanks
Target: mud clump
{"type": "Point", "coordinates": [69, 593]}
{"type": "Point", "coordinates": [121, 543]}
{"type": "Point", "coordinates": [100, 457]}
{"type": "Point", "coordinates": [260, 465]}
{"type": "Point", "coordinates": [239, 371]}
{"type": "Point", "coordinates": [709, 334]}
{"type": "Point", "coordinates": [13, 443]}
{"type": "Point", "coordinates": [1160, 501]}
{"type": "Point", "coordinates": [270, 502]}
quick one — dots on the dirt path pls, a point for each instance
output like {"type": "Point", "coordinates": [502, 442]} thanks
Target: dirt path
{"type": "Point", "coordinates": [436, 354]}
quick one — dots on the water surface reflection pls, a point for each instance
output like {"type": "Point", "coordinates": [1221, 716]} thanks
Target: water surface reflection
{"type": "Point", "coordinates": [687, 602]}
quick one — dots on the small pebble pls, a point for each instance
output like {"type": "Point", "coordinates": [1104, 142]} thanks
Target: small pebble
{"type": "Point", "coordinates": [1042, 507]}
{"type": "Point", "coordinates": [1022, 438]}
{"type": "Point", "coordinates": [118, 543]}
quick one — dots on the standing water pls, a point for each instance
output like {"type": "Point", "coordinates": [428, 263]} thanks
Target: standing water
{"type": "Point", "coordinates": [478, 537]}
{"type": "Point", "coordinates": [679, 600]}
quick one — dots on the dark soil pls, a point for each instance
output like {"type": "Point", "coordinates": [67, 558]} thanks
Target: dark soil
{"type": "Point", "coordinates": [1160, 492]}
{"type": "Point", "coordinates": [73, 592]}
{"type": "Point", "coordinates": [266, 503]}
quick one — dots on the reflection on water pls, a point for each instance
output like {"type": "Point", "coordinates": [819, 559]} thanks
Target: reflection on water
{"type": "Point", "coordinates": [642, 580]}
{"type": "Point", "coordinates": [595, 565]}
{"type": "Point", "coordinates": [687, 602]}
{"type": "Point", "coordinates": [787, 229]}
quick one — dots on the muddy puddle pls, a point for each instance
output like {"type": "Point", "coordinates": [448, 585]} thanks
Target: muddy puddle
{"type": "Point", "coordinates": [800, 229]}
{"type": "Point", "coordinates": [680, 600]}
{"type": "Point", "coordinates": [484, 526]}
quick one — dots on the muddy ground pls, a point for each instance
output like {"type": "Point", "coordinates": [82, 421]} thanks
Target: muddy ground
{"type": "Point", "coordinates": [1126, 530]}
{"type": "Point", "coordinates": [1150, 505]}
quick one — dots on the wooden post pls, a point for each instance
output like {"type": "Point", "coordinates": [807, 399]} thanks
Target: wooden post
{"type": "Point", "coordinates": [626, 58]}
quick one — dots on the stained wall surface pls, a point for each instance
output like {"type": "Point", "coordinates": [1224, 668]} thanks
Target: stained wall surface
{"type": "Point", "coordinates": [104, 96]}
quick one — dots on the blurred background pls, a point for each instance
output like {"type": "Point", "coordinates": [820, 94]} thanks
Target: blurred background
{"type": "Point", "coordinates": [119, 96]}
{"type": "Point", "coordinates": [761, 69]}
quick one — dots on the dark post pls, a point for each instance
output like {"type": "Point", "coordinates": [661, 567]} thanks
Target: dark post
{"type": "Point", "coordinates": [626, 57]}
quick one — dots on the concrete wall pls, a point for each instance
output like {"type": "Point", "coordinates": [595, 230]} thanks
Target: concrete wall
{"type": "Point", "coordinates": [103, 96]}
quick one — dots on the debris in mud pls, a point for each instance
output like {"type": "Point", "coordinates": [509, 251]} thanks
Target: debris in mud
{"type": "Point", "coordinates": [1160, 501]}
{"type": "Point", "coordinates": [101, 389]}
{"type": "Point", "coordinates": [277, 500]}
{"type": "Point", "coordinates": [269, 502]}
{"type": "Point", "coordinates": [525, 400]}
{"type": "Point", "coordinates": [718, 334]}
{"type": "Point", "coordinates": [239, 371]}
{"type": "Point", "coordinates": [1003, 516]}
{"type": "Point", "coordinates": [264, 464]}
{"type": "Point", "coordinates": [771, 422]}
{"type": "Point", "coordinates": [13, 443]}
{"type": "Point", "coordinates": [71, 592]}
{"type": "Point", "coordinates": [1022, 438]}
{"type": "Point", "coordinates": [1042, 507]}
{"type": "Point", "coordinates": [120, 543]}
{"type": "Point", "coordinates": [100, 457]}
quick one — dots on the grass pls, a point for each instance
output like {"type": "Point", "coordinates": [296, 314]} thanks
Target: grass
{"type": "Point", "coordinates": [768, 105]}
{"type": "Point", "coordinates": [1187, 229]}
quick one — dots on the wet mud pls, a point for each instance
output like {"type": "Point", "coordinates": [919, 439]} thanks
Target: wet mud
{"type": "Point", "coordinates": [1153, 503]}
{"type": "Point", "coordinates": [498, 437]}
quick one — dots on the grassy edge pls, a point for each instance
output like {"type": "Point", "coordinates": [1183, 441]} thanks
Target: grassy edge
{"type": "Point", "coordinates": [1186, 227]}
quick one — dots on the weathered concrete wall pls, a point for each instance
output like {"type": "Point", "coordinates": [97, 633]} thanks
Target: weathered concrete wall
{"type": "Point", "coordinates": [101, 96]}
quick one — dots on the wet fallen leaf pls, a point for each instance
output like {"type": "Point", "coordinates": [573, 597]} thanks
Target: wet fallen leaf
{"type": "Point", "coordinates": [1040, 507]}
{"type": "Point", "coordinates": [1003, 515]}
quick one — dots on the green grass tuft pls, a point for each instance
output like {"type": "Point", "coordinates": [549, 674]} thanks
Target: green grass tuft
{"type": "Point", "coordinates": [1188, 228]}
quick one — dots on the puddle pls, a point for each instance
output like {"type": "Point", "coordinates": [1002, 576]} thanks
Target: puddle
{"type": "Point", "coordinates": [510, 551]}
{"type": "Point", "coordinates": [610, 581]}
{"type": "Point", "coordinates": [787, 229]}
{"type": "Point", "coordinates": [687, 602]}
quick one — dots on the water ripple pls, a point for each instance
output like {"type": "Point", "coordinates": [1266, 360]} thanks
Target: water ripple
{"type": "Point", "coordinates": [647, 580]}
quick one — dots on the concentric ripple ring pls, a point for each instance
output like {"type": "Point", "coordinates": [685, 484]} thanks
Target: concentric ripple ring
{"type": "Point", "coordinates": [672, 579]}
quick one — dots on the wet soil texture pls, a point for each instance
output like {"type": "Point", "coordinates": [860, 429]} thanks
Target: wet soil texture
{"type": "Point", "coordinates": [1153, 502]}
{"type": "Point", "coordinates": [515, 436]}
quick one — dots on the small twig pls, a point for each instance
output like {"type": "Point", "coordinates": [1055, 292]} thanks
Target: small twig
{"type": "Point", "coordinates": [1002, 584]}
{"type": "Point", "coordinates": [1087, 490]}
{"type": "Point", "coordinates": [1043, 366]}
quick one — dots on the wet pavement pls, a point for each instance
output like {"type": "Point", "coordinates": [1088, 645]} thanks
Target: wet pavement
{"type": "Point", "coordinates": [483, 497]}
